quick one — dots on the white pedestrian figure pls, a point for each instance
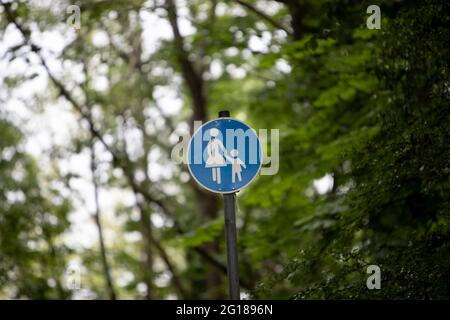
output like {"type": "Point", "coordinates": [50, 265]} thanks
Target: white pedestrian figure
{"type": "Point", "coordinates": [236, 164]}
{"type": "Point", "coordinates": [73, 277]}
{"type": "Point", "coordinates": [215, 157]}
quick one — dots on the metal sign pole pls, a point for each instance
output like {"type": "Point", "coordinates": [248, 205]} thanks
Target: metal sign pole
{"type": "Point", "coordinates": [232, 256]}
{"type": "Point", "coordinates": [231, 238]}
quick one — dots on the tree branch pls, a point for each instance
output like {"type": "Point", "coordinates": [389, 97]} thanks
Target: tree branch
{"type": "Point", "coordinates": [193, 79]}
{"type": "Point", "coordinates": [263, 15]}
{"type": "Point", "coordinates": [176, 282]}
{"type": "Point", "coordinates": [106, 269]}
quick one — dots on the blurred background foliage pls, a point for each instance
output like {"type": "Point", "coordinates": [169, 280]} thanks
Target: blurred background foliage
{"type": "Point", "coordinates": [364, 149]}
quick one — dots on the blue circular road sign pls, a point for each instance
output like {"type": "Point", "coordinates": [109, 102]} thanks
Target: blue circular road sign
{"type": "Point", "coordinates": [224, 155]}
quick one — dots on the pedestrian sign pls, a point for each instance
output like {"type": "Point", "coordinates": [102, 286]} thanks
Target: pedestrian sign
{"type": "Point", "coordinates": [224, 155]}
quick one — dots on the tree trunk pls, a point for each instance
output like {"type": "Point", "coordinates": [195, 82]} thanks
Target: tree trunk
{"type": "Point", "coordinates": [297, 10]}
{"type": "Point", "coordinates": [193, 79]}
{"type": "Point", "coordinates": [147, 233]}
{"type": "Point", "coordinates": [106, 269]}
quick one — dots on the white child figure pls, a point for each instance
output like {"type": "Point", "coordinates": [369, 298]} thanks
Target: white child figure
{"type": "Point", "coordinates": [236, 164]}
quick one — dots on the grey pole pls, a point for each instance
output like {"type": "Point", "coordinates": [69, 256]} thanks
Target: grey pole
{"type": "Point", "coordinates": [232, 257]}
{"type": "Point", "coordinates": [231, 236]}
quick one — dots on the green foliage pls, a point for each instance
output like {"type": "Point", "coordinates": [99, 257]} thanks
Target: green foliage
{"type": "Point", "coordinates": [366, 109]}
{"type": "Point", "coordinates": [375, 114]}
{"type": "Point", "coordinates": [31, 219]}
{"type": "Point", "coordinates": [202, 234]}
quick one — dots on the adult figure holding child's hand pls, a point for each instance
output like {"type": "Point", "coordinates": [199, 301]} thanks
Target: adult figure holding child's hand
{"type": "Point", "coordinates": [216, 152]}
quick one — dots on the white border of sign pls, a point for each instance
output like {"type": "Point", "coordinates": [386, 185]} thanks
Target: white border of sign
{"type": "Point", "coordinates": [235, 190]}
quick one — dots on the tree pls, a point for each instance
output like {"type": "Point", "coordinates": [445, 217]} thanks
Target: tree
{"type": "Point", "coordinates": [363, 125]}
